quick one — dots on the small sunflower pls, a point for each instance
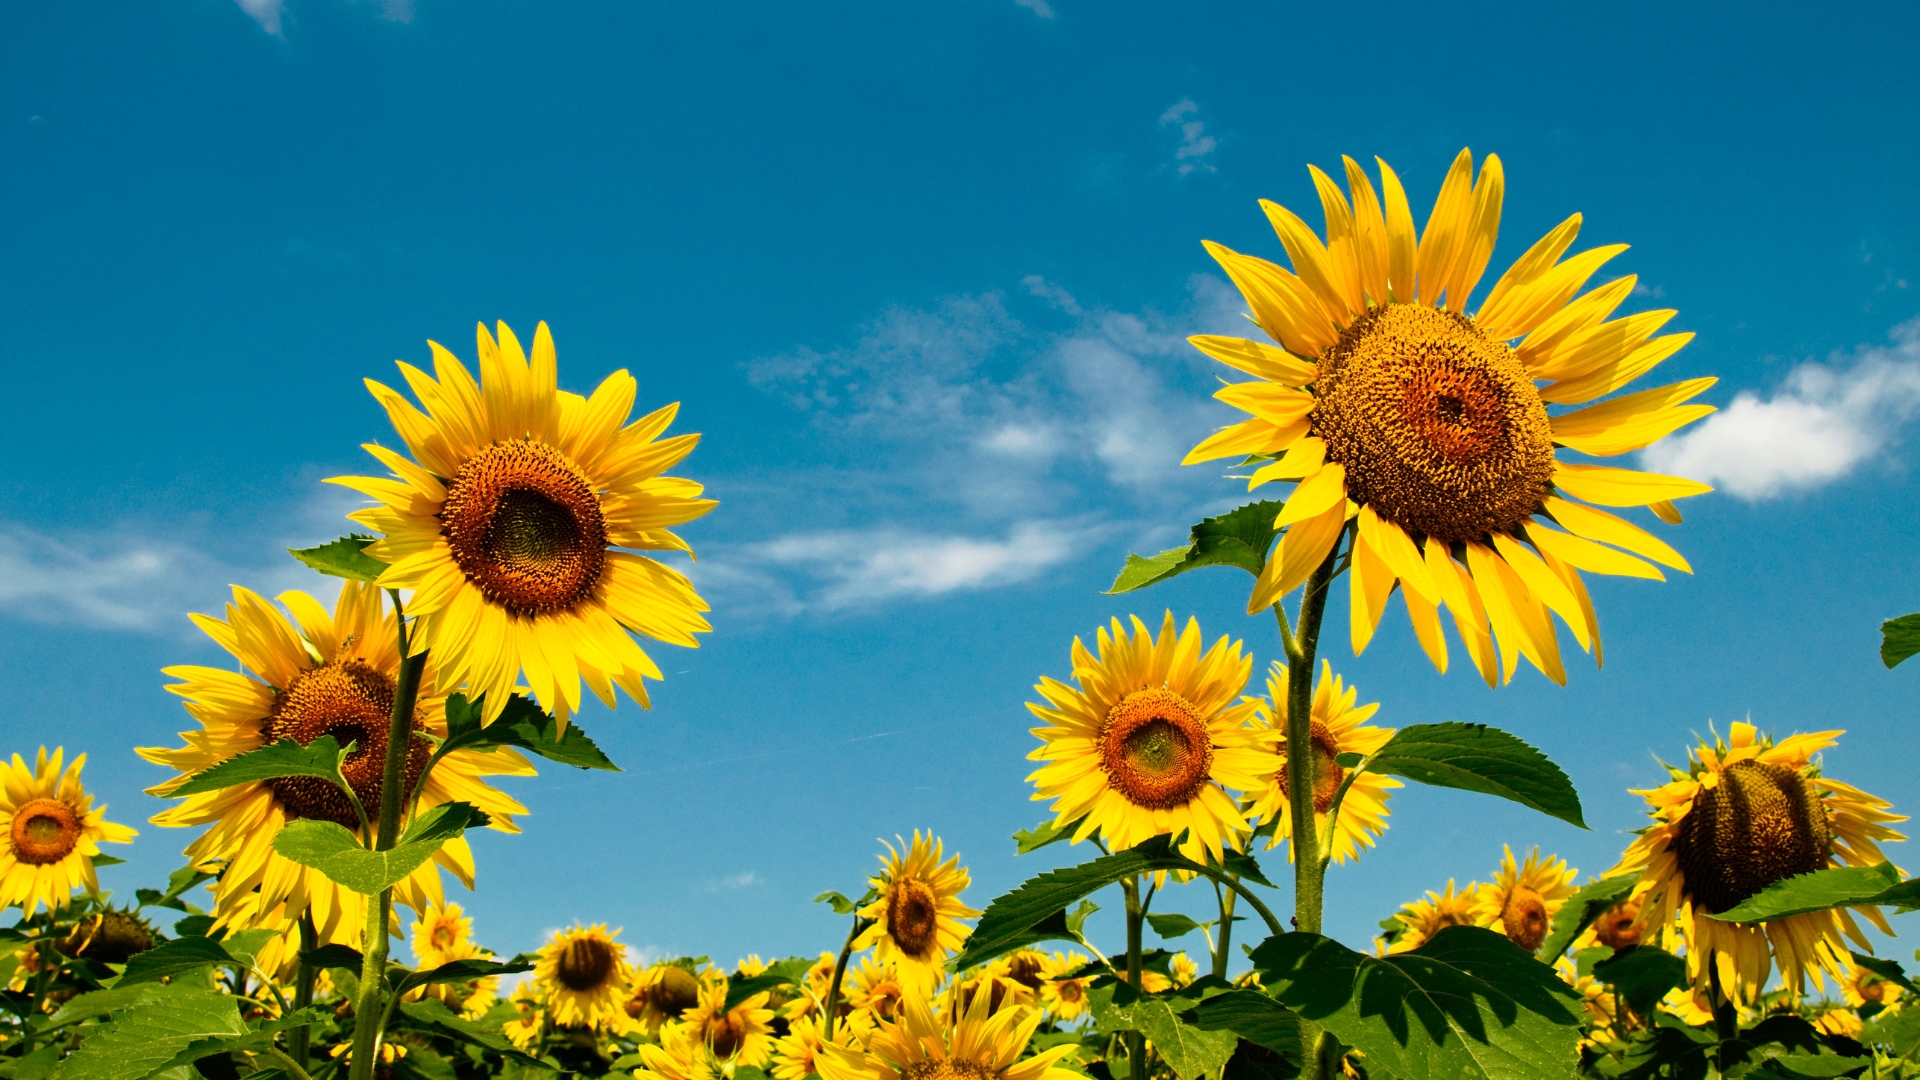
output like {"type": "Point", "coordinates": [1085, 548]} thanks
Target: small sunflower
{"type": "Point", "coordinates": [111, 936]}
{"type": "Point", "coordinates": [738, 1036]}
{"type": "Point", "coordinates": [529, 1017]}
{"type": "Point", "coordinates": [1388, 403]}
{"type": "Point", "coordinates": [1839, 1020]}
{"type": "Point", "coordinates": [509, 522]}
{"type": "Point", "coordinates": [1745, 813]}
{"type": "Point", "coordinates": [680, 1055]}
{"type": "Point", "coordinates": [53, 832]}
{"type": "Point", "coordinates": [1422, 919]}
{"type": "Point", "coordinates": [975, 1044]}
{"type": "Point", "coordinates": [312, 675]}
{"type": "Point", "coordinates": [1617, 928]}
{"type": "Point", "coordinates": [813, 987]}
{"type": "Point", "coordinates": [916, 920]}
{"type": "Point", "coordinates": [470, 999]}
{"type": "Point", "coordinates": [661, 994]}
{"type": "Point", "coordinates": [1524, 897]}
{"type": "Point", "coordinates": [1863, 987]}
{"type": "Point", "coordinates": [440, 933]}
{"type": "Point", "coordinates": [874, 993]}
{"type": "Point", "coordinates": [584, 978]}
{"type": "Point", "coordinates": [1063, 997]}
{"type": "Point", "coordinates": [796, 1054]}
{"type": "Point", "coordinates": [1147, 742]}
{"type": "Point", "coordinates": [1339, 727]}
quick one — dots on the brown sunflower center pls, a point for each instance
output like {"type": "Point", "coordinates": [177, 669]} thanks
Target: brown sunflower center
{"type": "Point", "coordinates": [1324, 766]}
{"type": "Point", "coordinates": [913, 916]}
{"type": "Point", "coordinates": [1070, 991]}
{"type": "Point", "coordinates": [948, 1070]}
{"type": "Point", "coordinates": [44, 831]}
{"type": "Point", "coordinates": [444, 936]}
{"type": "Point", "coordinates": [1615, 928]}
{"type": "Point", "coordinates": [111, 937]}
{"type": "Point", "coordinates": [1027, 969]}
{"type": "Point", "coordinates": [1156, 749]}
{"type": "Point", "coordinates": [525, 527]}
{"type": "Point", "coordinates": [1525, 917]}
{"type": "Point", "coordinates": [726, 1033]}
{"type": "Point", "coordinates": [1760, 824]}
{"type": "Point", "coordinates": [586, 964]}
{"type": "Point", "coordinates": [1439, 426]}
{"type": "Point", "coordinates": [674, 992]}
{"type": "Point", "coordinates": [353, 702]}
{"type": "Point", "coordinates": [884, 999]}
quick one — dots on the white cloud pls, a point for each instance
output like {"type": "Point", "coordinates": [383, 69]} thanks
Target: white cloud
{"type": "Point", "coordinates": [1196, 146]}
{"type": "Point", "coordinates": [1825, 420]}
{"type": "Point", "coordinates": [1038, 7]}
{"type": "Point", "coordinates": [265, 12]}
{"type": "Point", "coordinates": [1051, 293]}
{"type": "Point", "coordinates": [734, 883]}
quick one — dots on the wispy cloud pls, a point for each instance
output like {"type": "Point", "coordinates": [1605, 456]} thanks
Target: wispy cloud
{"type": "Point", "coordinates": [1824, 421]}
{"type": "Point", "coordinates": [1196, 146]}
{"type": "Point", "coordinates": [1038, 7]}
{"type": "Point", "coordinates": [270, 14]}
{"type": "Point", "coordinates": [735, 882]}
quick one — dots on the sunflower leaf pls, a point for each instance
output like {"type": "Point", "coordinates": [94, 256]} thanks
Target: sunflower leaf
{"type": "Point", "coordinates": [521, 724]}
{"type": "Point", "coordinates": [1475, 757]}
{"type": "Point", "coordinates": [173, 958]}
{"type": "Point", "coordinates": [1900, 1030]}
{"type": "Point", "coordinates": [433, 1018]}
{"type": "Point", "coordinates": [1467, 1003]}
{"type": "Point", "coordinates": [1047, 832]}
{"type": "Point", "coordinates": [1642, 974]}
{"type": "Point", "coordinates": [1820, 890]}
{"type": "Point", "coordinates": [1899, 639]}
{"type": "Point", "coordinates": [840, 904]}
{"type": "Point", "coordinates": [1172, 925]}
{"type": "Point", "coordinates": [144, 1038]}
{"type": "Point", "coordinates": [1240, 538]}
{"type": "Point", "coordinates": [1889, 970]}
{"type": "Point", "coordinates": [1012, 918]}
{"type": "Point", "coordinates": [459, 971]}
{"type": "Point", "coordinates": [1578, 913]}
{"type": "Point", "coordinates": [739, 990]}
{"type": "Point", "coordinates": [334, 956]}
{"type": "Point", "coordinates": [1255, 1017]}
{"type": "Point", "coordinates": [331, 849]}
{"type": "Point", "coordinates": [320, 758]}
{"type": "Point", "coordinates": [1188, 1050]}
{"type": "Point", "coordinates": [343, 558]}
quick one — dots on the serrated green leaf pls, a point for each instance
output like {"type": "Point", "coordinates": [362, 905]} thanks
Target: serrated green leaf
{"type": "Point", "coordinates": [458, 971]}
{"type": "Point", "coordinates": [430, 1016]}
{"type": "Point", "coordinates": [1889, 970]}
{"type": "Point", "coordinates": [1254, 1017]}
{"type": "Point", "coordinates": [1899, 639]}
{"type": "Point", "coordinates": [245, 945]}
{"type": "Point", "coordinates": [334, 956]}
{"type": "Point", "coordinates": [145, 1038]}
{"type": "Point", "coordinates": [1243, 866]}
{"type": "Point", "coordinates": [1240, 538]}
{"type": "Point", "coordinates": [521, 724]}
{"type": "Point", "coordinates": [1821, 890]}
{"type": "Point", "coordinates": [331, 849]}
{"type": "Point", "coordinates": [1899, 1030]}
{"type": "Point", "coordinates": [343, 558]}
{"type": "Point", "coordinates": [739, 990]}
{"type": "Point", "coordinates": [1642, 974]}
{"type": "Point", "coordinates": [1579, 911]}
{"type": "Point", "coordinates": [1475, 757]}
{"type": "Point", "coordinates": [320, 758]}
{"type": "Point", "coordinates": [1171, 925]}
{"type": "Point", "coordinates": [177, 883]}
{"type": "Point", "coordinates": [840, 904]}
{"type": "Point", "coordinates": [35, 1066]}
{"type": "Point", "coordinates": [1028, 840]}
{"type": "Point", "coordinates": [1467, 1003]}
{"type": "Point", "coordinates": [1814, 1066]}
{"type": "Point", "coordinates": [102, 1002]}
{"type": "Point", "coordinates": [1189, 1051]}
{"type": "Point", "coordinates": [258, 1035]}
{"type": "Point", "coordinates": [173, 958]}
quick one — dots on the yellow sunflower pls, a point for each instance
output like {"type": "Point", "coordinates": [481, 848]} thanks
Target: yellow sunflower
{"type": "Point", "coordinates": [529, 1019]}
{"type": "Point", "coordinates": [1147, 742]}
{"type": "Point", "coordinates": [509, 522]}
{"type": "Point", "coordinates": [53, 832]}
{"type": "Point", "coordinates": [742, 1035]}
{"type": "Point", "coordinates": [1863, 988]}
{"type": "Point", "coordinates": [1389, 404]}
{"type": "Point", "coordinates": [662, 993]}
{"type": "Point", "coordinates": [1524, 897]}
{"type": "Point", "coordinates": [1617, 927]}
{"type": "Point", "coordinates": [874, 993]}
{"type": "Point", "coordinates": [680, 1055]}
{"type": "Point", "coordinates": [916, 920]}
{"type": "Point", "coordinates": [1339, 727]}
{"type": "Point", "coordinates": [813, 989]}
{"type": "Point", "coordinates": [471, 998]}
{"type": "Point", "coordinates": [1839, 1020]}
{"type": "Point", "coordinates": [975, 1044]}
{"type": "Point", "coordinates": [1745, 813]}
{"type": "Point", "coordinates": [312, 675]}
{"type": "Point", "coordinates": [584, 979]}
{"type": "Point", "coordinates": [440, 933]}
{"type": "Point", "coordinates": [1065, 998]}
{"type": "Point", "coordinates": [796, 1054]}
{"type": "Point", "coordinates": [1422, 919]}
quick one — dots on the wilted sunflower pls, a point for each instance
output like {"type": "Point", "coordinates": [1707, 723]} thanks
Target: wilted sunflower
{"type": "Point", "coordinates": [509, 520]}
{"type": "Point", "coordinates": [916, 920]}
{"type": "Point", "coordinates": [975, 1044]}
{"type": "Point", "coordinates": [1524, 897]}
{"type": "Point", "coordinates": [111, 936]}
{"type": "Point", "coordinates": [1386, 401]}
{"type": "Point", "coordinates": [584, 978]}
{"type": "Point", "coordinates": [1422, 919]}
{"type": "Point", "coordinates": [1744, 814]}
{"type": "Point", "coordinates": [312, 675]}
{"type": "Point", "coordinates": [1339, 727]}
{"type": "Point", "coordinates": [53, 832]}
{"type": "Point", "coordinates": [1065, 998]}
{"type": "Point", "coordinates": [1148, 740]}
{"type": "Point", "coordinates": [742, 1035]}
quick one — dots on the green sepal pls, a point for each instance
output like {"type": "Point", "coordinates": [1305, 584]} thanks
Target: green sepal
{"type": "Point", "coordinates": [343, 558]}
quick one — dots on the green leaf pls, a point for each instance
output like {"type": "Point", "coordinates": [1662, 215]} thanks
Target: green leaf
{"type": "Point", "coordinates": [177, 883]}
{"type": "Point", "coordinates": [1900, 1030]}
{"type": "Point", "coordinates": [457, 971]}
{"type": "Point", "coordinates": [1899, 639]}
{"type": "Point", "coordinates": [739, 990]}
{"type": "Point", "coordinates": [1172, 925]}
{"type": "Point", "coordinates": [334, 956]}
{"type": "Point", "coordinates": [1475, 757]}
{"type": "Point", "coordinates": [1028, 840]}
{"type": "Point", "coordinates": [1243, 866]}
{"type": "Point", "coordinates": [521, 724]}
{"type": "Point", "coordinates": [430, 1016]}
{"type": "Point", "coordinates": [1255, 1017]}
{"type": "Point", "coordinates": [840, 904]}
{"type": "Point", "coordinates": [38, 1065]}
{"type": "Point", "coordinates": [344, 558]}
{"type": "Point", "coordinates": [1820, 890]}
{"type": "Point", "coordinates": [321, 758]}
{"type": "Point", "coordinates": [1642, 974]}
{"type": "Point", "coordinates": [1578, 913]}
{"type": "Point", "coordinates": [1815, 1066]}
{"type": "Point", "coordinates": [145, 1038]}
{"type": "Point", "coordinates": [1240, 539]}
{"type": "Point", "coordinates": [258, 1035]}
{"type": "Point", "coordinates": [102, 1002]}
{"type": "Point", "coordinates": [1077, 918]}
{"type": "Point", "coordinates": [1889, 970]}
{"type": "Point", "coordinates": [171, 958]}
{"type": "Point", "coordinates": [245, 945]}
{"type": "Point", "coordinates": [1189, 1051]}
{"type": "Point", "coordinates": [106, 860]}
{"type": "Point", "coordinates": [1467, 1003]}
{"type": "Point", "coordinates": [331, 849]}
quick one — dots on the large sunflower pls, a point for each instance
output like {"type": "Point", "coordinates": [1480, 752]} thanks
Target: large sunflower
{"type": "Point", "coordinates": [1745, 813]}
{"type": "Point", "coordinates": [508, 521]}
{"type": "Point", "coordinates": [1148, 740]}
{"type": "Point", "coordinates": [1388, 403]}
{"type": "Point", "coordinates": [916, 920]}
{"type": "Point", "coordinates": [1339, 727]}
{"type": "Point", "coordinates": [1524, 897]}
{"type": "Point", "coordinates": [312, 675]}
{"type": "Point", "coordinates": [974, 1043]}
{"type": "Point", "coordinates": [53, 832]}
{"type": "Point", "coordinates": [583, 978]}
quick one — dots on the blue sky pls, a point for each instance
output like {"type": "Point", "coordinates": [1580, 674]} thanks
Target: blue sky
{"type": "Point", "coordinates": [921, 275]}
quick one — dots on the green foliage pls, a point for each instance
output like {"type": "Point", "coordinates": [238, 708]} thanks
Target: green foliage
{"type": "Point", "coordinates": [430, 1017]}
{"type": "Point", "coordinates": [521, 724]}
{"type": "Point", "coordinates": [1029, 840]}
{"type": "Point", "coordinates": [1475, 757]}
{"type": "Point", "coordinates": [1821, 890]}
{"type": "Point", "coordinates": [1581, 909]}
{"type": "Point", "coordinates": [174, 958]}
{"type": "Point", "coordinates": [1188, 1050]}
{"type": "Point", "coordinates": [840, 904]}
{"type": "Point", "coordinates": [1255, 1017]}
{"type": "Point", "coordinates": [457, 971]}
{"type": "Point", "coordinates": [145, 1038]}
{"type": "Point", "coordinates": [1642, 974]}
{"type": "Point", "coordinates": [331, 849]}
{"type": "Point", "coordinates": [1899, 639]}
{"type": "Point", "coordinates": [1173, 925]}
{"type": "Point", "coordinates": [343, 558]}
{"type": "Point", "coordinates": [739, 990]}
{"type": "Point", "coordinates": [1240, 539]}
{"type": "Point", "coordinates": [1889, 970]}
{"type": "Point", "coordinates": [320, 758]}
{"type": "Point", "coordinates": [178, 883]}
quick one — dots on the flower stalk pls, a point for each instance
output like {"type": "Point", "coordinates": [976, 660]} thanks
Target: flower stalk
{"type": "Point", "coordinates": [1136, 915]}
{"type": "Point", "coordinates": [1309, 872]}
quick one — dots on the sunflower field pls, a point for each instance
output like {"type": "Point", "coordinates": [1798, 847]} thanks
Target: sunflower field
{"type": "Point", "coordinates": [329, 777]}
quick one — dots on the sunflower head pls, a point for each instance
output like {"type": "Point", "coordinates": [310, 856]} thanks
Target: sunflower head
{"type": "Point", "coordinates": [441, 931]}
{"type": "Point", "coordinates": [1339, 726]}
{"type": "Point", "coordinates": [1619, 927]}
{"type": "Point", "coordinates": [971, 1039]}
{"type": "Point", "coordinates": [583, 978]}
{"type": "Point", "coordinates": [52, 832]}
{"type": "Point", "coordinates": [1524, 897]}
{"type": "Point", "coordinates": [741, 1035]}
{"type": "Point", "coordinates": [916, 918]}
{"type": "Point", "coordinates": [111, 936]}
{"type": "Point", "coordinates": [1422, 919]}
{"type": "Point", "coordinates": [661, 994]}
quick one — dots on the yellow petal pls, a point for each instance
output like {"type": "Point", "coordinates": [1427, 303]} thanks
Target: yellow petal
{"type": "Point", "coordinates": [1532, 304]}
{"type": "Point", "coordinates": [1452, 213]}
{"type": "Point", "coordinates": [1342, 259]}
{"type": "Point", "coordinates": [1310, 260]}
{"type": "Point", "coordinates": [1401, 242]}
{"type": "Point", "coordinates": [1588, 311]}
{"type": "Point", "coordinates": [1315, 495]}
{"type": "Point", "coordinates": [1610, 377]}
{"type": "Point", "coordinates": [1476, 243]}
{"type": "Point", "coordinates": [1469, 614]}
{"type": "Point", "coordinates": [1371, 258]}
{"type": "Point", "coordinates": [1665, 511]}
{"type": "Point", "coordinates": [1545, 585]}
{"type": "Point", "coordinates": [1247, 437]}
{"type": "Point", "coordinates": [1538, 260]}
{"type": "Point", "coordinates": [1264, 361]}
{"type": "Point", "coordinates": [1397, 550]}
{"type": "Point", "coordinates": [1303, 460]}
{"type": "Point", "coordinates": [1589, 556]}
{"type": "Point", "coordinates": [1282, 304]}
{"type": "Point", "coordinates": [1277, 405]}
{"type": "Point", "coordinates": [1636, 434]}
{"type": "Point", "coordinates": [1500, 609]}
{"type": "Point", "coordinates": [1370, 585]}
{"type": "Point", "coordinates": [1606, 486]}
{"type": "Point", "coordinates": [1585, 521]}
{"type": "Point", "coordinates": [1579, 590]}
{"type": "Point", "coordinates": [1426, 628]}
{"type": "Point", "coordinates": [1598, 419]}
{"type": "Point", "coordinates": [1299, 553]}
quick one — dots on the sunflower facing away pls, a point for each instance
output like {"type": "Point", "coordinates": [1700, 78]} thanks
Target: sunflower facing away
{"type": "Point", "coordinates": [661, 994]}
{"type": "Point", "coordinates": [917, 917]}
{"type": "Point", "coordinates": [1148, 740]}
{"type": "Point", "coordinates": [1745, 813]}
{"type": "Point", "coordinates": [53, 832]}
{"type": "Point", "coordinates": [1524, 897]}
{"type": "Point", "coordinates": [509, 522]}
{"type": "Point", "coordinates": [1339, 727]}
{"type": "Point", "coordinates": [974, 1043]}
{"type": "Point", "coordinates": [312, 675]}
{"type": "Point", "coordinates": [1422, 919]}
{"type": "Point", "coordinates": [584, 978]}
{"type": "Point", "coordinates": [1389, 404]}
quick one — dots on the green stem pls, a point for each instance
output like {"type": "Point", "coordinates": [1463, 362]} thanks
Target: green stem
{"type": "Point", "coordinates": [1309, 876]}
{"type": "Point", "coordinates": [1136, 915]}
{"type": "Point", "coordinates": [839, 973]}
{"type": "Point", "coordinates": [1220, 956]}
{"type": "Point", "coordinates": [369, 1009]}
{"type": "Point", "coordinates": [303, 980]}
{"type": "Point", "coordinates": [295, 1069]}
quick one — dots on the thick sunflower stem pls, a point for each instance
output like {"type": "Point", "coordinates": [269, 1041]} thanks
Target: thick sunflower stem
{"type": "Point", "coordinates": [840, 973]}
{"type": "Point", "coordinates": [1228, 898]}
{"type": "Point", "coordinates": [1136, 915]}
{"type": "Point", "coordinates": [303, 980]}
{"type": "Point", "coordinates": [1308, 874]}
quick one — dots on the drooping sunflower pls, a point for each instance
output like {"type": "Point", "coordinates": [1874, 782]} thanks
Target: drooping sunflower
{"type": "Point", "coordinates": [1061, 994]}
{"type": "Point", "coordinates": [53, 832]}
{"type": "Point", "coordinates": [1745, 813]}
{"type": "Point", "coordinates": [510, 522]}
{"type": "Point", "coordinates": [584, 979]}
{"type": "Point", "coordinates": [312, 675]}
{"type": "Point", "coordinates": [110, 936]}
{"type": "Point", "coordinates": [1422, 919]}
{"type": "Point", "coordinates": [974, 1043]}
{"type": "Point", "coordinates": [1524, 897]}
{"type": "Point", "coordinates": [1149, 740]}
{"type": "Point", "coordinates": [742, 1035]}
{"type": "Point", "coordinates": [1389, 404]}
{"type": "Point", "coordinates": [1339, 727]}
{"type": "Point", "coordinates": [661, 994]}
{"type": "Point", "coordinates": [916, 920]}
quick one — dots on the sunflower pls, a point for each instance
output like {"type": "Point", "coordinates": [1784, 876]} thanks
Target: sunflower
{"type": "Point", "coordinates": [874, 993]}
{"type": "Point", "coordinates": [680, 1055]}
{"type": "Point", "coordinates": [529, 1016]}
{"type": "Point", "coordinates": [1863, 987]}
{"type": "Point", "coordinates": [471, 998]}
{"type": "Point", "coordinates": [1745, 813]}
{"type": "Point", "coordinates": [1617, 928]}
{"type": "Point", "coordinates": [1422, 919]}
{"type": "Point", "coordinates": [974, 1043]}
{"type": "Point", "coordinates": [1388, 403]}
{"type": "Point", "coordinates": [111, 936]}
{"type": "Point", "coordinates": [584, 978]}
{"type": "Point", "coordinates": [440, 933]}
{"type": "Point", "coordinates": [1063, 996]}
{"type": "Point", "coordinates": [509, 520]}
{"type": "Point", "coordinates": [1524, 897]}
{"type": "Point", "coordinates": [1839, 1020]}
{"type": "Point", "coordinates": [796, 1054]}
{"type": "Point", "coordinates": [813, 988]}
{"type": "Point", "coordinates": [662, 993]}
{"type": "Point", "coordinates": [53, 832]}
{"type": "Point", "coordinates": [1146, 743]}
{"type": "Point", "coordinates": [741, 1035]}
{"type": "Point", "coordinates": [1339, 727]}
{"type": "Point", "coordinates": [916, 920]}
{"type": "Point", "coordinates": [313, 675]}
